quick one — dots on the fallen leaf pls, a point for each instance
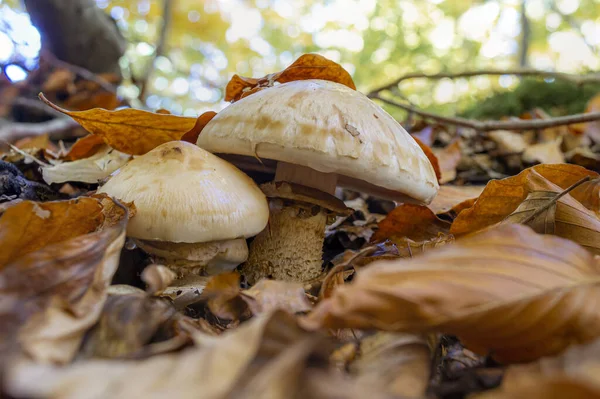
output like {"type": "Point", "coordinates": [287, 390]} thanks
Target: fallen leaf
{"type": "Point", "coordinates": [572, 374]}
{"type": "Point", "coordinates": [222, 293]}
{"type": "Point", "coordinates": [507, 292]}
{"type": "Point", "coordinates": [85, 147]}
{"type": "Point", "coordinates": [396, 363]}
{"type": "Point", "coordinates": [592, 129]}
{"type": "Point", "coordinates": [500, 198]}
{"type": "Point", "coordinates": [431, 156]}
{"type": "Point", "coordinates": [131, 131]}
{"type": "Point", "coordinates": [86, 170]}
{"type": "Point", "coordinates": [449, 197]}
{"type": "Point", "coordinates": [57, 261]}
{"type": "Point", "coordinates": [415, 222]}
{"type": "Point", "coordinates": [60, 79]}
{"type": "Point", "coordinates": [266, 357]}
{"type": "Point", "coordinates": [548, 153]}
{"type": "Point", "coordinates": [157, 278]}
{"type": "Point", "coordinates": [41, 142]}
{"type": "Point", "coordinates": [448, 158]}
{"type": "Point", "coordinates": [269, 295]}
{"type": "Point", "coordinates": [588, 195]}
{"type": "Point", "coordinates": [508, 142]}
{"type": "Point", "coordinates": [583, 156]}
{"type": "Point", "coordinates": [308, 66]}
{"type": "Point", "coordinates": [192, 135]}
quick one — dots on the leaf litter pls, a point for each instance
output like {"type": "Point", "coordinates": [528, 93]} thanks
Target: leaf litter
{"type": "Point", "coordinates": [496, 277]}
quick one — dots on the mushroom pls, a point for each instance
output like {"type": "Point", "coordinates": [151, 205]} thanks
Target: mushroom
{"type": "Point", "coordinates": [194, 210]}
{"type": "Point", "coordinates": [321, 134]}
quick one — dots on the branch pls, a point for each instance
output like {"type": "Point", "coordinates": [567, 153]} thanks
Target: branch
{"type": "Point", "coordinates": [15, 131]}
{"type": "Point", "coordinates": [82, 72]}
{"type": "Point", "coordinates": [486, 126]}
{"type": "Point", "coordinates": [577, 79]}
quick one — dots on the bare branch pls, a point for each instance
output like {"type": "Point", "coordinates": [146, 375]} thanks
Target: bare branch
{"type": "Point", "coordinates": [15, 131]}
{"type": "Point", "coordinates": [485, 126]}
{"type": "Point", "coordinates": [577, 79]}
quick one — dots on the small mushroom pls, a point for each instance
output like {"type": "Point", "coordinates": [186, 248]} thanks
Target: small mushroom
{"type": "Point", "coordinates": [194, 210]}
{"type": "Point", "coordinates": [321, 134]}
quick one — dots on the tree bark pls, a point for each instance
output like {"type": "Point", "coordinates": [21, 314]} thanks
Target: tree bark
{"type": "Point", "coordinates": [78, 32]}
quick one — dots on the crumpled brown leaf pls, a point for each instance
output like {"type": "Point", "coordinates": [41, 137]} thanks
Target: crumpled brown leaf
{"type": "Point", "coordinates": [573, 374]}
{"type": "Point", "coordinates": [448, 157]}
{"type": "Point", "coordinates": [131, 131]}
{"type": "Point", "coordinates": [57, 260]}
{"type": "Point", "coordinates": [547, 212]}
{"type": "Point", "coordinates": [500, 198]}
{"type": "Point", "coordinates": [266, 357]}
{"type": "Point", "coordinates": [449, 197]}
{"type": "Point", "coordinates": [192, 135]}
{"type": "Point", "coordinates": [415, 222]}
{"type": "Point", "coordinates": [85, 147]}
{"type": "Point", "coordinates": [431, 156]}
{"type": "Point", "coordinates": [507, 292]}
{"type": "Point", "coordinates": [308, 66]}
{"type": "Point", "coordinates": [588, 194]}
{"type": "Point", "coordinates": [546, 152]}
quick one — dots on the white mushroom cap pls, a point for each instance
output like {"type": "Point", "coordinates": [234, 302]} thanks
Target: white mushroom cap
{"type": "Point", "coordinates": [330, 128]}
{"type": "Point", "coordinates": [183, 193]}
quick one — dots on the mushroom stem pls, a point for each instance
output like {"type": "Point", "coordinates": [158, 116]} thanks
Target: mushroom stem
{"type": "Point", "coordinates": [290, 248]}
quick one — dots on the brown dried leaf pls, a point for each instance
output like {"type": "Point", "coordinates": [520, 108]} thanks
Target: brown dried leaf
{"type": "Point", "coordinates": [592, 129]}
{"type": "Point", "coordinates": [449, 197]}
{"type": "Point", "coordinates": [308, 66]}
{"type": "Point", "coordinates": [157, 278]}
{"type": "Point", "coordinates": [508, 142]}
{"type": "Point", "coordinates": [270, 295]}
{"type": "Point", "coordinates": [85, 147]}
{"type": "Point", "coordinates": [431, 156]}
{"type": "Point", "coordinates": [588, 194]}
{"type": "Point", "coordinates": [396, 363]}
{"type": "Point", "coordinates": [415, 222]}
{"type": "Point", "coordinates": [500, 198]}
{"type": "Point", "coordinates": [53, 281]}
{"type": "Point", "coordinates": [223, 295]}
{"type": "Point", "coordinates": [131, 131]}
{"type": "Point", "coordinates": [192, 135]}
{"type": "Point", "coordinates": [449, 158]}
{"type": "Point", "coordinates": [547, 152]}
{"type": "Point", "coordinates": [507, 291]}
{"type": "Point", "coordinates": [266, 357]}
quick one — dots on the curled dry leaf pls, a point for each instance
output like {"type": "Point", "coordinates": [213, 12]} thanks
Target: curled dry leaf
{"type": "Point", "coordinates": [308, 66]}
{"type": "Point", "coordinates": [573, 374]}
{"type": "Point", "coordinates": [86, 170]}
{"type": "Point", "coordinates": [500, 198]}
{"type": "Point", "coordinates": [416, 222]}
{"type": "Point", "coordinates": [548, 152]}
{"type": "Point", "coordinates": [508, 142]}
{"type": "Point", "coordinates": [131, 131]}
{"type": "Point", "coordinates": [449, 158]}
{"type": "Point", "coordinates": [396, 363]}
{"type": "Point", "coordinates": [508, 292]}
{"type": "Point", "coordinates": [157, 278]}
{"type": "Point", "coordinates": [550, 210]}
{"type": "Point", "coordinates": [431, 156]}
{"type": "Point", "coordinates": [266, 357]}
{"type": "Point", "coordinates": [449, 198]}
{"type": "Point", "coordinates": [85, 147]}
{"type": "Point", "coordinates": [192, 135]}
{"type": "Point", "coordinates": [56, 263]}
{"type": "Point", "coordinates": [269, 295]}
{"type": "Point", "coordinates": [588, 194]}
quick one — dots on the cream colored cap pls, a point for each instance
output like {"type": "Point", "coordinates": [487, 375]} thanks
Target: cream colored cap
{"type": "Point", "coordinates": [183, 193]}
{"type": "Point", "coordinates": [330, 128]}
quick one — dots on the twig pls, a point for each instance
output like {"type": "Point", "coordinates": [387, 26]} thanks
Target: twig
{"type": "Point", "coordinates": [84, 73]}
{"type": "Point", "coordinates": [14, 131]}
{"type": "Point", "coordinates": [160, 45]}
{"type": "Point", "coordinates": [577, 79]}
{"type": "Point", "coordinates": [486, 126]}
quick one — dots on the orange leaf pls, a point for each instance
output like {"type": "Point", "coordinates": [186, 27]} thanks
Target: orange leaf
{"type": "Point", "coordinates": [500, 198]}
{"type": "Point", "coordinates": [192, 135]}
{"type": "Point", "coordinates": [431, 156]}
{"type": "Point", "coordinates": [131, 131]}
{"type": "Point", "coordinates": [415, 222]}
{"type": "Point", "coordinates": [308, 66]}
{"type": "Point", "coordinates": [41, 142]}
{"type": "Point", "coordinates": [588, 194]}
{"type": "Point", "coordinates": [85, 147]}
{"type": "Point", "coordinates": [449, 197]}
{"type": "Point", "coordinates": [448, 159]}
{"type": "Point", "coordinates": [508, 292]}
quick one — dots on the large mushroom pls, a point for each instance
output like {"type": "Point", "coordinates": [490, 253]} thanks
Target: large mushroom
{"type": "Point", "coordinates": [321, 134]}
{"type": "Point", "coordinates": [194, 210]}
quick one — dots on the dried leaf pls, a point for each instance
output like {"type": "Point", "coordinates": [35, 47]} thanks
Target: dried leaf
{"type": "Point", "coordinates": [157, 278]}
{"type": "Point", "coordinates": [431, 156]}
{"type": "Point", "coordinates": [223, 295]}
{"type": "Point", "coordinates": [547, 152]}
{"type": "Point", "coordinates": [592, 129]}
{"type": "Point", "coordinates": [308, 66]}
{"type": "Point", "coordinates": [415, 222]}
{"type": "Point", "coordinates": [508, 292]}
{"type": "Point", "coordinates": [266, 357]}
{"type": "Point", "coordinates": [449, 158]}
{"type": "Point", "coordinates": [500, 198]}
{"type": "Point", "coordinates": [396, 363]}
{"type": "Point", "coordinates": [131, 131]}
{"type": "Point", "coordinates": [269, 295]}
{"type": "Point", "coordinates": [87, 170]}
{"type": "Point", "coordinates": [85, 147]}
{"type": "Point", "coordinates": [58, 263]}
{"type": "Point", "coordinates": [508, 142]}
{"type": "Point", "coordinates": [588, 194]}
{"type": "Point", "coordinates": [41, 142]}
{"type": "Point", "coordinates": [583, 156]}
{"type": "Point", "coordinates": [192, 135]}
{"type": "Point", "coordinates": [449, 197]}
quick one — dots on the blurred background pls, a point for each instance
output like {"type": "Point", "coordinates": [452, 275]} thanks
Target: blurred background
{"type": "Point", "coordinates": [178, 55]}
